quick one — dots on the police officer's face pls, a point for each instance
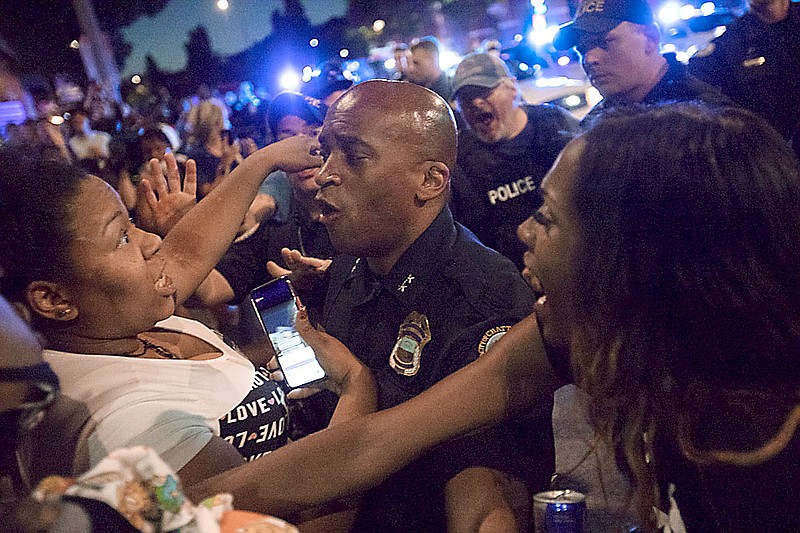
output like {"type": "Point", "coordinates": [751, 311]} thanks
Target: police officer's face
{"type": "Point", "coordinates": [552, 236]}
{"type": "Point", "coordinates": [618, 62]}
{"type": "Point", "coordinates": [489, 112]}
{"type": "Point", "coordinates": [367, 196]}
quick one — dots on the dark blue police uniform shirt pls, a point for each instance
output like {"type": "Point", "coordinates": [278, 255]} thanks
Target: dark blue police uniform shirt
{"type": "Point", "coordinates": [470, 296]}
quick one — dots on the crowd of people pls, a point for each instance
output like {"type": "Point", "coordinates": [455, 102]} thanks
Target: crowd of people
{"type": "Point", "coordinates": [458, 256]}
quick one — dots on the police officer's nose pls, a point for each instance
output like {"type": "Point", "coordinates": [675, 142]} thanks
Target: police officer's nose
{"type": "Point", "coordinates": [326, 176]}
{"type": "Point", "coordinates": [526, 232]}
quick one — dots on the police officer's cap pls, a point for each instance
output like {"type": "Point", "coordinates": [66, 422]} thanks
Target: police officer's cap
{"type": "Point", "coordinates": [601, 16]}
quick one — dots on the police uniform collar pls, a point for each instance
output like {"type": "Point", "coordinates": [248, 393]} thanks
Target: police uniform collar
{"type": "Point", "coordinates": [418, 263]}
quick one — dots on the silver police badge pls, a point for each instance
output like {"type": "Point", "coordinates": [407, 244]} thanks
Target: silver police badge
{"type": "Point", "coordinates": [414, 334]}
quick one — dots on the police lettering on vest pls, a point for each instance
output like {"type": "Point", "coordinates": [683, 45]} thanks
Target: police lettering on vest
{"type": "Point", "coordinates": [507, 191]}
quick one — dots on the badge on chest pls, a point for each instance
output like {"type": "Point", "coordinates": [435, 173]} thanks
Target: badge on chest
{"type": "Point", "coordinates": [414, 334]}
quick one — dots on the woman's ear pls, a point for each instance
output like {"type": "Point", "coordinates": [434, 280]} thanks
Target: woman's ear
{"type": "Point", "coordinates": [435, 181]}
{"type": "Point", "coordinates": [49, 300]}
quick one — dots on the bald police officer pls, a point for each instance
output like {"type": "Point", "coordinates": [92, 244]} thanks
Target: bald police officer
{"type": "Point", "coordinates": [415, 296]}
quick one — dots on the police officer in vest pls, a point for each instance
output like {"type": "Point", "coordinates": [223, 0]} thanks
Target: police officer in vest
{"type": "Point", "coordinates": [504, 152]}
{"type": "Point", "coordinates": [619, 45]}
{"type": "Point", "coordinates": [757, 63]}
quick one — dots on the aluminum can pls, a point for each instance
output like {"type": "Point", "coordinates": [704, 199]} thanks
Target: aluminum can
{"type": "Point", "coordinates": [559, 511]}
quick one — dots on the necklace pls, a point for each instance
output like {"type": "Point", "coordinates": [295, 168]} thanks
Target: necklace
{"type": "Point", "coordinates": [160, 350]}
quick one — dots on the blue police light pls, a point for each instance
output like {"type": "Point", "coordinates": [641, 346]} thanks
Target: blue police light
{"type": "Point", "coordinates": [289, 80]}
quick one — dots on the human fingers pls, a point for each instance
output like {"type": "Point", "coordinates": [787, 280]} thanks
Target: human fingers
{"type": "Point", "coordinates": [145, 195]}
{"type": "Point", "coordinates": [190, 179]}
{"type": "Point", "coordinates": [276, 271]}
{"type": "Point", "coordinates": [173, 176]}
{"type": "Point", "coordinates": [157, 178]}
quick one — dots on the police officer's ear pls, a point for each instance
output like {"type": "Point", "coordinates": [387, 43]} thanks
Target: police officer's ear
{"type": "Point", "coordinates": [435, 182]}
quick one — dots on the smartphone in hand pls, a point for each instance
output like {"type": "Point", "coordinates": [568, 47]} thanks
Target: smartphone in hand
{"type": "Point", "coordinates": [274, 303]}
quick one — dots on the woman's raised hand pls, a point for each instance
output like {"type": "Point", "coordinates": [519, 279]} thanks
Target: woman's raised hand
{"type": "Point", "coordinates": [161, 201]}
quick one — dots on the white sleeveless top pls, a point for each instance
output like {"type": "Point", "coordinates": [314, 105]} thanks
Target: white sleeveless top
{"type": "Point", "coordinates": [170, 406]}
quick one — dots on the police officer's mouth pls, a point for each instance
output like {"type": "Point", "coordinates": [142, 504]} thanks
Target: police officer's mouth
{"type": "Point", "coordinates": [327, 211]}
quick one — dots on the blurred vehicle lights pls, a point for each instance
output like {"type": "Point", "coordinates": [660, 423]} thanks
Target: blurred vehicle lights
{"type": "Point", "coordinates": [524, 67]}
{"type": "Point", "coordinates": [707, 8]}
{"type": "Point", "coordinates": [572, 100]}
{"type": "Point", "coordinates": [563, 61]}
{"type": "Point", "coordinates": [686, 12]}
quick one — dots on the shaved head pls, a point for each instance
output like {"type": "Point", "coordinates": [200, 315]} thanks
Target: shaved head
{"type": "Point", "coordinates": [416, 117]}
{"type": "Point", "coordinates": [388, 148]}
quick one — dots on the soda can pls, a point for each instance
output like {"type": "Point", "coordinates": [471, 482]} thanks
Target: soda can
{"type": "Point", "coordinates": [559, 511]}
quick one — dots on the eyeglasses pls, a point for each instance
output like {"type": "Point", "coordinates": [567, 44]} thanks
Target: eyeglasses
{"type": "Point", "coordinates": [27, 416]}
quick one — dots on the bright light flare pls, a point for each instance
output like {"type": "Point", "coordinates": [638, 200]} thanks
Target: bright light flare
{"type": "Point", "coordinates": [223, 5]}
{"type": "Point", "coordinates": [448, 59]}
{"type": "Point", "coordinates": [563, 61]}
{"type": "Point", "coordinates": [313, 43]}
{"type": "Point", "coordinates": [707, 8]}
{"type": "Point", "coordinates": [667, 48]}
{"type": "Point", "coordinates": [56, 120]}
{"type": "Point", "coordinates": [572, 100]}
{"type": "Point", "coordinates": [670, 13]}
{"type": "Point", "coordinates": [518, 37]}
{"type": "Point", "coordinates": [344, 52]}
{"type": "Point", "coordinates": [378, 25]}
{"type": "Point", "coordinates": [289, 80]}
{"type": "Point", "coordinates": [542, 37]}
{"type": "Point", "coordinates": [136, 79]}
{"type": "Point", "coordinates": [389, 64]}
{"type": "Point", "coordinates": [74, 44]}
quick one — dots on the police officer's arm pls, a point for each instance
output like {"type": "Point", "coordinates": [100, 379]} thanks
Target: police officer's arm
{"type": "Point", "coordinates": [514, 376]}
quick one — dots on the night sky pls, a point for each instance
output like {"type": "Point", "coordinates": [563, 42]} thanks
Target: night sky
{"type": "Point", "coordinates": [231, 31]}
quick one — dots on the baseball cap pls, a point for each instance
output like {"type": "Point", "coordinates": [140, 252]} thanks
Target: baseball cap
{"type": "Point", "coordinates": [482, 70]}
{"type": "Point", "coordinates": [289, 103]}
{"type": "Point", "coordinates": [600, 16]}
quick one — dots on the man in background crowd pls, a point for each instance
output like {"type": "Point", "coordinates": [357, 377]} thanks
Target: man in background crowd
{"type": "Point", "coordinates": [503, 152]}
{"type": "Point", "coordinates": [423, 67]}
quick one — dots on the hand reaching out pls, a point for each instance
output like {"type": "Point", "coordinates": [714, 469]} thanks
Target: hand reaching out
{"type": "Point", "coordinates": [296, 153]}
{"type": "Point", "coordinates": [161, 202]}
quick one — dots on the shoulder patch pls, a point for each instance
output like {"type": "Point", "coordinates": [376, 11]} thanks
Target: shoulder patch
{"type": "Point", "coordinates": [706, 51]}
{"type": "Point", "coordinates": [490, 337]}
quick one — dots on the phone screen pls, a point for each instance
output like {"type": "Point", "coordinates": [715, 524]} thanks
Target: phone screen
{"type": "Point", "coordinates": [275, 306]}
